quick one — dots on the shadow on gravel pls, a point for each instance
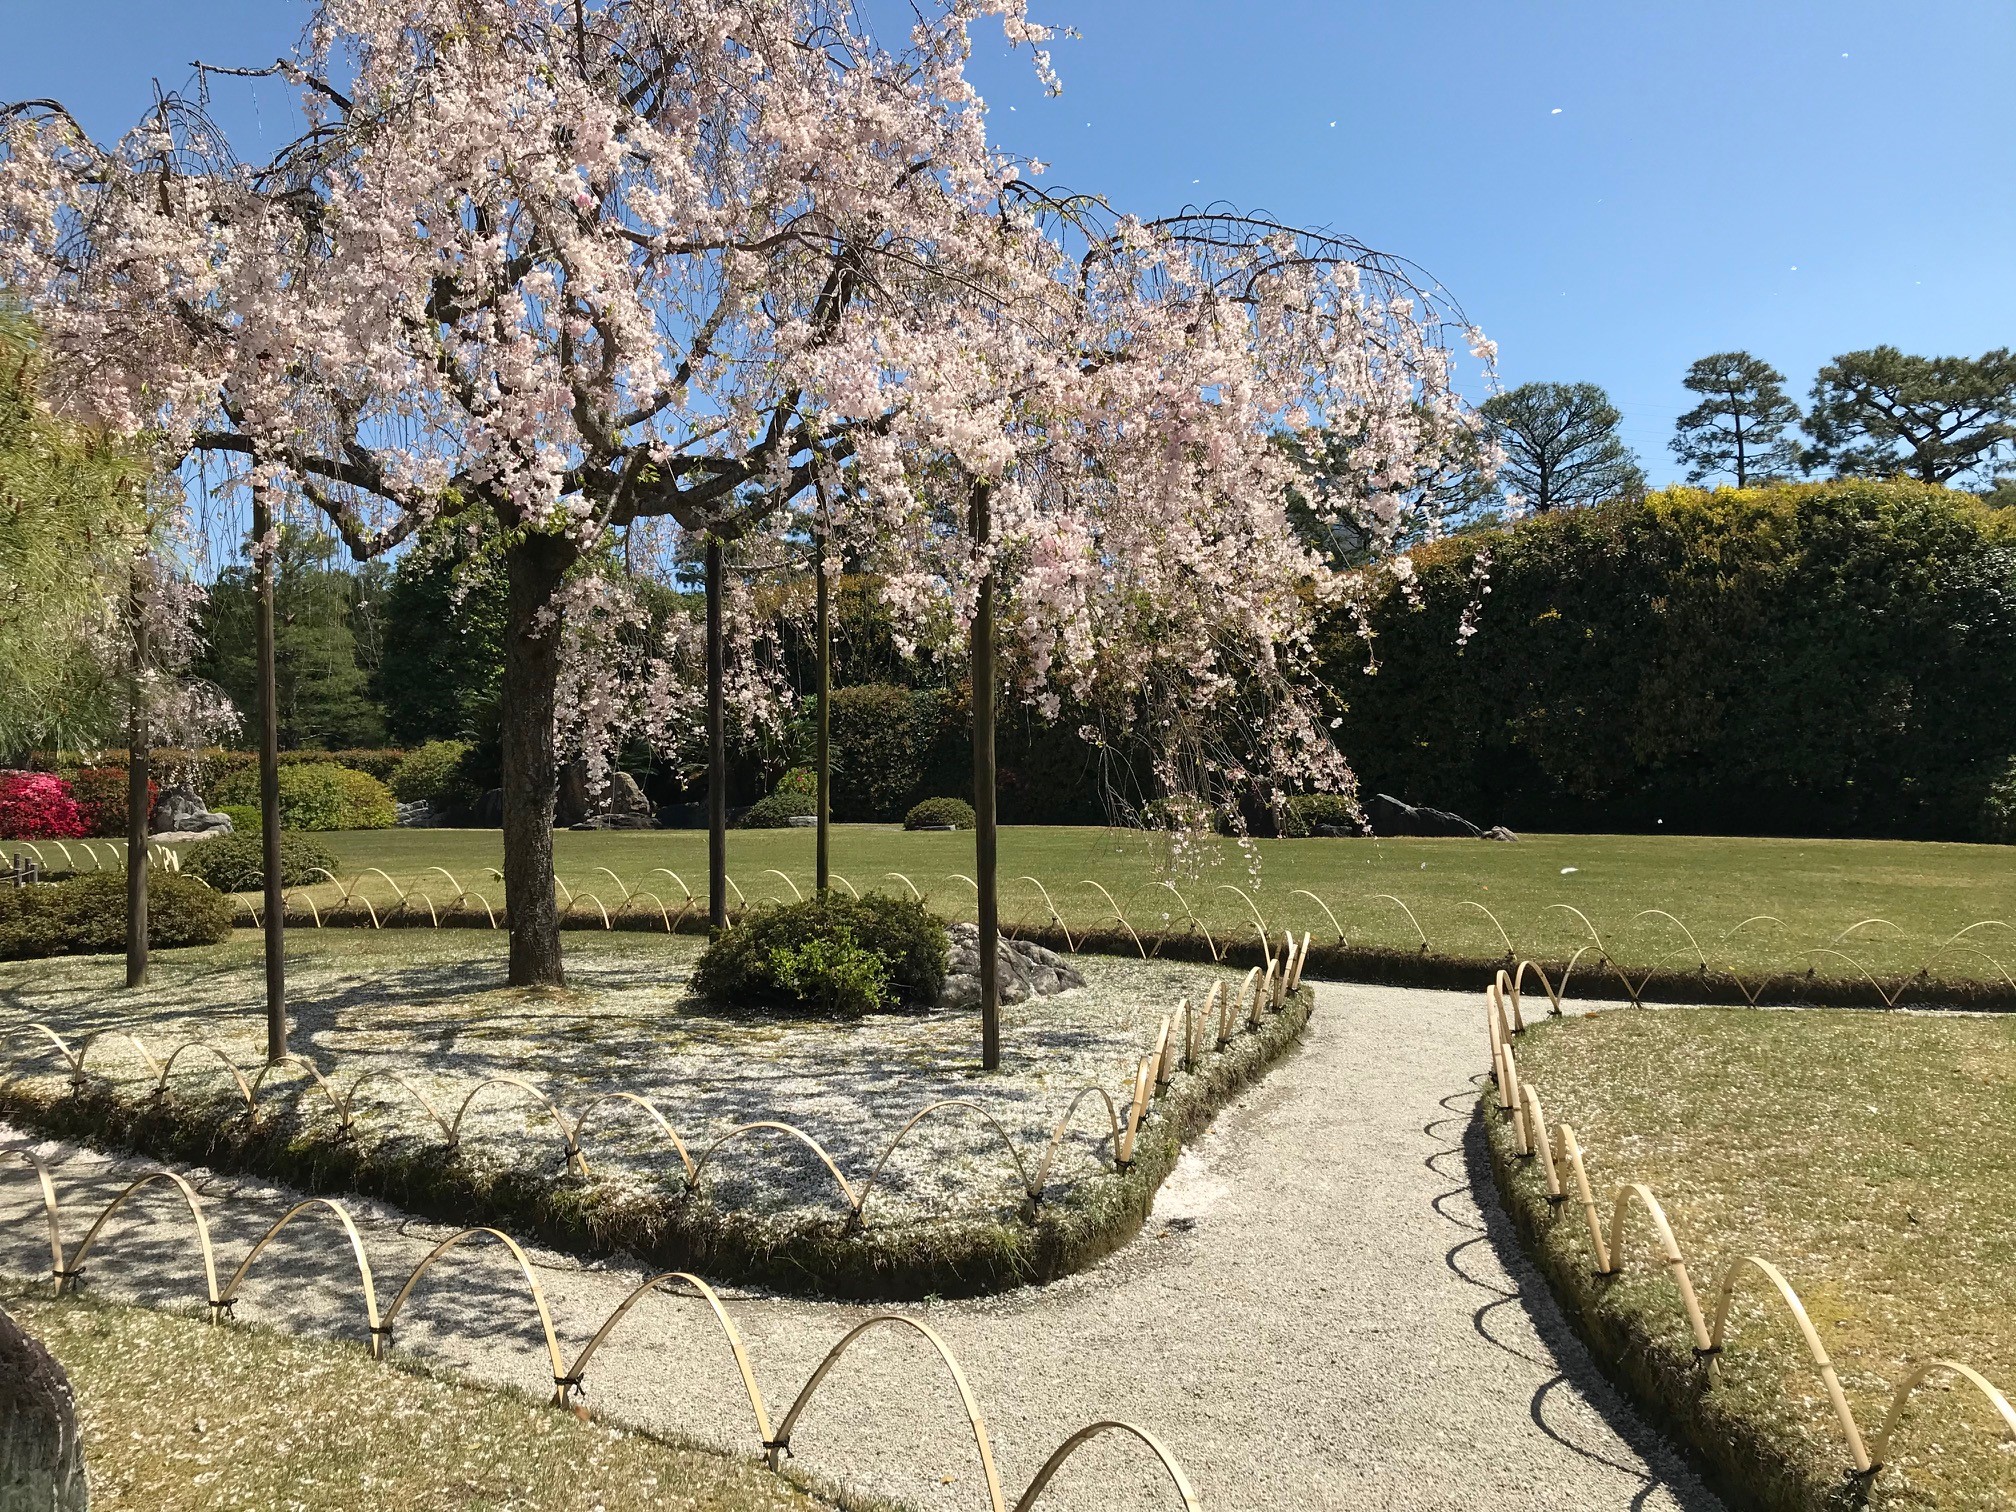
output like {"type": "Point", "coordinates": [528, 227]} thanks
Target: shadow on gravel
{"type": "Point", "coordinates": [1523, 1292]}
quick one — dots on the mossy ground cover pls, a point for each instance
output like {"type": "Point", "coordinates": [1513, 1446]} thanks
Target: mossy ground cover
{"type": "Point", "coordinates": [178, 1416]}
{"type": "Point", "coordinates": [949, 1214]}
{"type": "Point", "coordinates": [1869, 1156]}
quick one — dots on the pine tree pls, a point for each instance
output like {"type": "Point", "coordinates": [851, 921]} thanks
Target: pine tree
{"type": "Point", "coordinates": [1739, 426]}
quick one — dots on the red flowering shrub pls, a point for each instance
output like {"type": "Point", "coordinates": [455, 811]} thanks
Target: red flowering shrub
{"type": "Point", "coordinates": [37, 806]}
{"type": "Point", "coordinates": [101, 797]}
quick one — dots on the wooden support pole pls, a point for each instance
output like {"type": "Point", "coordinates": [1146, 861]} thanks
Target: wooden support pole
{"type": "Point", "coordinates": [717, 743]}
{"type": "Point", "coordinates": [985, 846]}
{"type": "Point", "coordinates": [137, 744]}
{"type": "Point", "coordinates": [265, 555]}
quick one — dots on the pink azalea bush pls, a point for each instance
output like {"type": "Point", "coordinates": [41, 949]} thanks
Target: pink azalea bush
{"type": "Point", "coordinates": [38, 806]}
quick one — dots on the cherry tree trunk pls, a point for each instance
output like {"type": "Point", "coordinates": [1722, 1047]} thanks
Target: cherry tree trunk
{"type": "Point", "coordinates": [536, 567]}
{"type": "Point", "coordinates": [41, 1452]}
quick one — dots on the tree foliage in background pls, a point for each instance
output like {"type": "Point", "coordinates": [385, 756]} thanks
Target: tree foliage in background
{"type": "Point", "coordinates": [72, 514]}
{"type": "Point", "coordinates": [1739, 427]}
{"type": "Point", "coordinates": [322, 678]}
{"type": "Point", "coordinates": [1830, 659]}
{"type": "Point", "coordinates": [1938, 419]}
{"type": "Point", "coordinates": [1560, 446]}
{"type": "Point", "coordinates": [442, 667]}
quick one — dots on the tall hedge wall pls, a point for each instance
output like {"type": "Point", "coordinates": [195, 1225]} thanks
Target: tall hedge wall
{"type": "Point", "coordinates": [1826, 659]}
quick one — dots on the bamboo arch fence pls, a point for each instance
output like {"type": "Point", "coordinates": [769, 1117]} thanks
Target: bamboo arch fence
{"type": "Point", "coordinates": [1183, 1041]}
{"type": "Point", "coordinates": [1564, 1171]}
{"type": "Point", "coordinates": [569, 1377]}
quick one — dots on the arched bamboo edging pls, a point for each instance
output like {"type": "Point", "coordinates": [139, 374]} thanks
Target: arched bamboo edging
{"type": "Point", "coordinates": [69, 1275]}
{"type": "Point", "coordinates": [1033, 1193]}
{"type": "Point", "coordinates": [506, 1079]}
{"type": "Point", "coordinates": [1669, 1254]}
{"type": "Point", "coordinates": [230, 1292]}
{"type": "Point", "coordinates": [1857, 1452]}
{"type": "Point", "coordinates": [1881, 1450]}
{"type": "Point", "coordinates": [342, 1108]}
{"type": "Point", "coordinates": [560, 1381]}
{"type": "Point", "coordinates": [49, 1208]}
{"type": "Point", "coordinates": [426, 1102]}
{"type": "Point", "coordinates": [1091, 1431]}
{"type": "Point", "coordinates": [238, 1076]}
{"type": "Point", "coordinates": [782, 1442]}
{"type": "Point", "coordinates": [1057, 1135]}
{"type": "Point", "coordinates": [846, 1191]}
{"type": "Point", "coordinates": [571, 1382]}
{"type": "Point", "coordinates": [651, 1110]}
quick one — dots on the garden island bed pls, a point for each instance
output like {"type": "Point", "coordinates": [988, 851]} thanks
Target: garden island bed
{"type": "Point", "coordinates": [949, 1214]}
{"type": "Point", "coordinates": [1865, 1154]}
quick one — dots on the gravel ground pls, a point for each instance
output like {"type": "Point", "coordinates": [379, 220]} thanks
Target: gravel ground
{"type": "Point", "coordinates": [1320, 1315]}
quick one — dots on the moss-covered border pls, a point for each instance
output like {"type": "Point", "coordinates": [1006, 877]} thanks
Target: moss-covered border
{"type": "Point", "coordinates": [1750, 1468]}
{"type": "Point", "coordinates": [1373, 965]}
{"type": "Point", "coordinates": [949, 1258]}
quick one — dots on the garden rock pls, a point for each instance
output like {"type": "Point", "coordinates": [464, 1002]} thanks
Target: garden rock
{"type": "Point", "coordinates": [414, 815]}
{"type": "Point", "coordinates": [1389, 816]}
{"type": "Point", "coordinates": [180, 811]}
{"type": "Point", "coordinates": [621, 804]}
{"type": "Point", "coordinates": [1027, 970]}
{"type": "Point", "coordinates": [1499, 832]}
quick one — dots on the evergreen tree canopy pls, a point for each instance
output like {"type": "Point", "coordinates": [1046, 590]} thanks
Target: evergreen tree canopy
{"type": "Point", "coordinates": [1939, 419]}
{"type": "Point", "coordinates": [1739, 426]}
{"type": "Point", "coordinates": [1561, 446]}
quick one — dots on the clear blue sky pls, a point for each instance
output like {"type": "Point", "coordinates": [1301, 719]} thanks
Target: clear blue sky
{"type": "Point", "coordinates": [1797, 177]}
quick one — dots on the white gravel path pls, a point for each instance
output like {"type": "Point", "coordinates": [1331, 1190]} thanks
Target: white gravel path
{"type": "Point", "coordinates": [1321, 1315]}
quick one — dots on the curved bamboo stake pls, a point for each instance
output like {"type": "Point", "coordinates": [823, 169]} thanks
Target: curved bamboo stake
{"type": "Point", "coordinates": [560, 1382]}
{"type": "Point", "coordinates": [846, 1191]}
{"type": "Point", "coordinates": [1144, 1081]}
{"type": "Point", "coordinates": [740, 896]}
{"type": "Point", "coordinates": [1825, 1366]}
{"type": "Point", "coordinates": [70, 1057]}
{"type": "Point", "coordinates": [1660, 913]}
{"type": "Point", "coordinates": [1572, 1153]}
{"type": "Point", "coordinates": [782, 1442]}
{"type": "Point", "coordinates": [797, 896]}
{"type": "Point", "coordinates": [244, 1087]}
{"type": "Point", "coordinates": [1510, 952]}
{"type": "Point", "coordinates": [1055, 916]}
{"type": "Point", "coordinates": [1303, 892]}
{"type": "Point", "coordinates": [915, 896]}
{"type": "Point", "coordinates": [1210, 944]}
{"type": "Point", "coordinates": [851, 888]}
{"type": "Point", "coordinates": [1569, 970]}
{"type": "Point", "coordinates": [49, 1209]}
{"type": "Point", "coordinates": [1301, 960]}
{"type": "Point", "coordinates": [1981, 924]}
{"type": "Point", "coordinates": [146, 1058]}
{"type": "Point", "coordinates": [398, 891]}
{"type": "Point", "coordinates": [1850, 930]}
{"type": "Point", "coordinates": [1143, 949]}
{"type": "Point", "coordinates": [433, 918]}
{"type": "Point", "coordinates": [600, 908]}
{"type": "Point", "coordinates": [649, 1107]}
{"type": "Point", "coordinates": [1669, 1253]}
{"type": "Point", "coordinates": [627, 888]}
{"type": "Point", "coordinates": [1033, 1193]}
{"type": "Point", "coordinates": [426, 1102]}
{"type": "Point", "coordinates": [664, 914]}
{"type": "Point", "coordinates": [34, 850]}
{"type": "Point", "coordinates": [287, 902]}
{"type": "Point", "coordinates": [230, 1292]}
{"type": "Point", "coordinates": [92, 851]}
{"type": "Point", "coordinates": [1057, 1135]}
{"type": "Point", "coordinates": [573, 1379]}
{"type": "Point", "coordinates": [1251, 907]}
{"type": "Point", "coordinates": [1889, 998]}
{"type": "Point", "coordinates": [1389, 898]}
{"type": "Point", "coordinates": [490, 912]}
{"type": "Point", "coordinates": [1519, 981]}
{"type": "Point", "coordinates": [1543, 1146]}
{"type": "Point", "coordinates": [68, 1275]}
{"type": "Point", "coordinates": [1971, 950]}
{"type": "Point", "coordinates": [454, 882]}
{"type": "Point", "coordinates": [69, 861]}
{"type": "Point", "coordinates": [1967, 1373]}
{"type": "Point", "coordinates": [506, 1079]}
{"type": "Point", "coordinates": [1084, 1436]}
{"type": "Point", "coordinates": [342, 1108]}
{"type": "Point", "coordinates": [667, 871]}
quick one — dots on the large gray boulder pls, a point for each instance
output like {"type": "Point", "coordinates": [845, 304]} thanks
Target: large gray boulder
{"type": "Point", "coordinates": [1027, 970]}
{"type": "Point", "coordinates": [180, 810]}
{"type": "Point", "coordinates": [620, 804]}
{"type": "Point", "coordinates": [1390, 816]}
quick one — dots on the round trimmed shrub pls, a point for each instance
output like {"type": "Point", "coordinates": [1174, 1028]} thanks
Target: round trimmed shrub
{"type": "Point", "coordinates": [237, 862]}
{"type": "Point", "coordinates": [245, 817]}
{"type": "Point", "coordinates": [936, 813]}
{"type": "Point", "coordinates": [836, 956]}
{"type": "Point", "coordinates": [1306, 811]}
{"type": "Point", "coordinates": [39, 806]}
{"type": "Point", "coordinates": [801, 781]}
{"type": "Point", "coordinates": [87, 915]}
{"type": "Point", "coordinates": [433, 774]}
{"type": "Point", "coordinates": [367, 802]}
{"type": "Point", "coordinates": [778, 810]}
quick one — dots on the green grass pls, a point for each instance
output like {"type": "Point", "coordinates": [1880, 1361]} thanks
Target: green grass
{"type": "Point", "coordinates": [179, 1416]}
{"type": "Point", "coordinates": [1817, 891]}
{"type": "Point", "coordinates": [1870, 1157]}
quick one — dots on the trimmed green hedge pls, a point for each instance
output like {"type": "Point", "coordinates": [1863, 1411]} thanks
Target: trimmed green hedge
{"type": "Point", "coordinates": [315, 796]}
{"type": "Point", "coordinates": [1828, 659]}
{"type": "Point", "coordinates": [935, 813]}
{"type": "Point", "coordinates": [237, 862]}
{"type": "Point", "coordinates": [778, 810]}
{"type": "Point", "coordinates": [87, 915]}
{"type": "Point", "coordinates": [834, 955]}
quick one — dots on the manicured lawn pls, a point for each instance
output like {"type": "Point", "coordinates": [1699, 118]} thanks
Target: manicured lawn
{"type": "Point", "coordinates": [1866, 1154]}
{"type": "Point", "coordinates": [182, 1417]}
{"type": "Point", "coordinates": [1816, 891]}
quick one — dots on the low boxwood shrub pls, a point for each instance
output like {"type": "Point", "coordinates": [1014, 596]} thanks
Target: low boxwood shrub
{"type": "Point", "coordinates": [317, 795]}
{"type": "Point", "coordinates": [832, 955]}
{"type": "Point", "coordinates": [1306, 811]}
{"type": "Point", "coordinates": [237, 862]}
{"type": "Point", "coordinates": [87, 915]}
{"type": "Point", "coordinates": [245, 818]}
{"type": "Point", "coordinates": [778, 810]}
{"type": "Point", "coordinates": [433, 774]}
{"type": "Point", "coordinates": [934, 813]}
{"type": "Point", "coordinates": [39, 806]}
